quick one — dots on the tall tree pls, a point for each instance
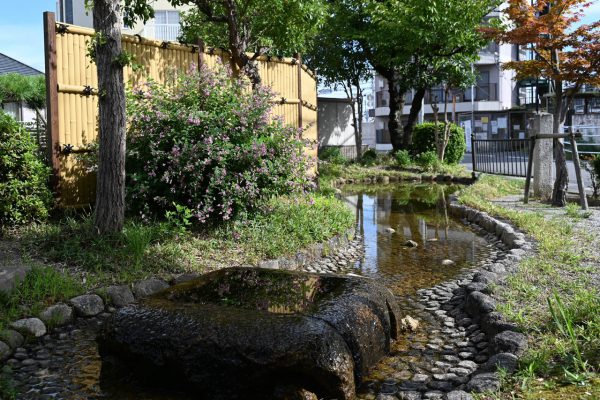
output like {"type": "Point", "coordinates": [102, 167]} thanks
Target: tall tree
{"type": "Point", "coordinates": [110, 189]}
{"type": "Point", "coordinates": [413, 36]}
{"type": "Point", "coordinates": [564, 53]}
{"type": "Point", "coordinates": [247, 28]}
{"type": "Point", "coordinates": [340, 60]}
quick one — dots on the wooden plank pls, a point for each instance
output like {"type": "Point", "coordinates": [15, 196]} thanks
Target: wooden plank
{"type": "Point", "coordinates": [582, 198]}
{"type": "Point", "coordinates": [529, 170]}
{"type": "Point", "coordinates": [51, 95]}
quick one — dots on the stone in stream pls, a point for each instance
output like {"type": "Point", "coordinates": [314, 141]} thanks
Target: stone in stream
{"type": "Point", "coordinates": [411, 243]}
{"type": "Point", "coordinates": [249, 330]}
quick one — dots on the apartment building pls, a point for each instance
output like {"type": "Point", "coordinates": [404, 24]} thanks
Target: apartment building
{"type": "Point", "coordinates": [164, 26]}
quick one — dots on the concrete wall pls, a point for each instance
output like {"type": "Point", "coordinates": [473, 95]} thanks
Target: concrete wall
{"type": "Point", "coordinates": [334, 122]}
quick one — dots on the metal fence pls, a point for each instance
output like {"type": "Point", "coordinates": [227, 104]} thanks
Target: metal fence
{"type": "Point", "coordinates": [501, 156]}
{"type": "Point", "coordinates": [587, 138]}
{"type": "Point", "coordinates": [349, 152]}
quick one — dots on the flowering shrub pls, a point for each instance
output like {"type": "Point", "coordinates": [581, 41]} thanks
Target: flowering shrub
{"type": "Point", "coordinates": [208, 143]}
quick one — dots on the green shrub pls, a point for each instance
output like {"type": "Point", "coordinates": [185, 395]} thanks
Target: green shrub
{"type": "Point", "coordinates": [332, 155]}
{"type": "Point", "coordinates": [403, 158]}
{"type": "Point", "coordinates": [369, 157]}
{"type": "Point", "coordinates": [24, 193]}
{"type": "Point", "coordinates": [424, 140]}
{"type": "Point", "coordinates": [428, 161]}
{"type": "Point", "coordinates": [208, 143]}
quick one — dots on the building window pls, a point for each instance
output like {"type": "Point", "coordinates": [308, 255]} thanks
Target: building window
{"type": "Point", "coordinates": [166, 25]}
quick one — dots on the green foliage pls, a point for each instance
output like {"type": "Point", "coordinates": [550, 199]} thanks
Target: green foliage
{"type": "Point", "coordinates": [424, 140]}
{"type": "Point", "coordinates": [28, 88]}
{"type": "Point", "coordinates": [281, 26]}
{"type": "Point", "coordinates": [332, 155]}
{"type": "Point", "coordinates": [41, 287]}
{"type": "Point", "coordinates": [369, 157]}
{"type": "Point", "coordinates": [208, 143]}
{"type": "Point", "coordinates": [403, 158]}
{"type": "Point", "coordinates": [282, 226]}
{"type": "Point", "coordinates": [24, 194]}
{"type": "Point", "coordinates": [428, 160]}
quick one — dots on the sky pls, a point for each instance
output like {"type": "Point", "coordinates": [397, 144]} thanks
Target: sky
{"type": "Point", "coordinates": [22, 32]}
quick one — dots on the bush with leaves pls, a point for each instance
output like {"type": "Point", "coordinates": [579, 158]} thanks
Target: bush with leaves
{"type": "Point", "coordinates": [424, 140]}
{"type": "Point", "coordinates": [24, 192]}
{"type": "Point", "coordinates": [428, 160]}
{"type": "Point", "coordinates": [369, 157]}
{"type": "Point", "coordinates": [403, 158]}
{"type": "Point", "coordinates": [332, 155]}
{"type": "Point", "coordinates": [209, 144]}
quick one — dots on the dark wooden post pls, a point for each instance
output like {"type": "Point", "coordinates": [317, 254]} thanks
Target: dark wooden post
{"type": "Point", "coordinates": [299, 58]}
{"type": "Point", "coordinates": [51, 97]}
{"type": "Point", "coordinates": [529, 170]}
{"type": "Point", "coordinates": [473, 156]}
{"type": "Point", "coordinates": [582, 198]}
{"type": "Point", "coordinates": [200, 53]}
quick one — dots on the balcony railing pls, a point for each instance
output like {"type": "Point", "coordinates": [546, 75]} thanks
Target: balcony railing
{"type": "Point", "coordinates": [485, 92]}
{"type": "Point", "coordinates": [167, 32]}
{"type": "Point", "coordinates": [382, 98]}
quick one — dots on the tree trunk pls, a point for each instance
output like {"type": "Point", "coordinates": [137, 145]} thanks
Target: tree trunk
{"type": "Point", "coordinates": [238, 45]}
{"type": "Point", "coordinates": [415, 109]}
{"type": "Point", "coordinates": [358, 132]}
{"type": "Point", "coordinates": [561, 183]}
{"type": "Point", "coordinates": [395, 115]}
{"type": "Point", "coordinates": [110, 188]}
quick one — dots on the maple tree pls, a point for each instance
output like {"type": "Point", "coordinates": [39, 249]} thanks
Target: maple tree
{"type": "Point", "coordinates": [563, 52]}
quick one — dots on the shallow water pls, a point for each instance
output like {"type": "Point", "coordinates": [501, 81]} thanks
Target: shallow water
{"type": "Point", "coordinates": [415, 212]}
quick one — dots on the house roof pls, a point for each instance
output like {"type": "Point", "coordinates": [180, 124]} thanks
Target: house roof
{"type": "Point", "coordinates": [9, 64]}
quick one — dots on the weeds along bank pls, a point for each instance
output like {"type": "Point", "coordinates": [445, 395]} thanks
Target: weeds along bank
{"type": "Point", "coordinates": [552, 297]}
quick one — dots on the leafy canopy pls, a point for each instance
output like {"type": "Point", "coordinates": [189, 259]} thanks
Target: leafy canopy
{"type": "Point", "coordinates": [563, 51]}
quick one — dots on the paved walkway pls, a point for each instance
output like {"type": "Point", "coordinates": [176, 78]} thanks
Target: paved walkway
{"type": "Point", "coordinates": [12, 268]}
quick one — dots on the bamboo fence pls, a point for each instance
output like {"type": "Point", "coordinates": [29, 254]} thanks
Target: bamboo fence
{"type": "Point", "coordinates": [72, 87]}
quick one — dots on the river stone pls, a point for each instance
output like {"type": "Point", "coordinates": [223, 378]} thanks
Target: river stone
{"type": "Point", "coordinates": [57, 315]}
{"type": "Point", "coordinates": [509, 342]}
{"type": "Point", "coordinates": [243, 330]}
{"type": "Point", "coordinates": [12, 338]}
{"type": "Point", "coordinates": [505, 361]}
{"type": "Point", "coordinates": [458, 395]}
{"type": "Point", "coordinates": [485, 277]}
{"type": "Point", "coordinates": [87, 305]}
{"type": "Point", "coordinates": [494, 323]}
{"type": "Point", "coordinates": [29, 327]}
{"type": "Point", "coordinates": [411, 243]}
{"type": "Point", "coordinates": [488, 382]}
{"type": "Point", "coordinates": [119, 296]}
{"type": "Point", "coordinates": [479, 304]}
{"type": "Point", "coordinates": [148, 287]}
{"type": "Point", "coordinates": [5, 351]}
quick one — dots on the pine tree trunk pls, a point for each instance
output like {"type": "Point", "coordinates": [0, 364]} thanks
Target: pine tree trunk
{"type": "Point", "coordinates": [415, 108]}
{"type": "Point", "coordinates": [110, 188]}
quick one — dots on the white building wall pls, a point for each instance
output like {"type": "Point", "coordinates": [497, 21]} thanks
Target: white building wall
{"type": "Point", "coordinates": [334, 122]}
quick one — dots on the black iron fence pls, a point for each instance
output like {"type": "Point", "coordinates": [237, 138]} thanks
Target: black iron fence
{"type": "Point", "coordinates": [501, 156]}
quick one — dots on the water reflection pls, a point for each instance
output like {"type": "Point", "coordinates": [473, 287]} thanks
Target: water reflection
{"type": "Point", "coordinates": [418, 213]}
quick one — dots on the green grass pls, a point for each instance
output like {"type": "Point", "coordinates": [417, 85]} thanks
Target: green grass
{"type": "Point", "coordinates": [550, 296]}
{"type": "Point", "coordinates": [41, 287]}
{"type": "Point", "coordinates": [284, 226]}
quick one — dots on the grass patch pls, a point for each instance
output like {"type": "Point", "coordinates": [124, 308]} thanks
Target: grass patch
{"type": "Point", "coordinates": [41, 287]}
{"type": "Point", "coordinates": [551, 296]}
{"type": "Point", "coordinates": [143, 249]}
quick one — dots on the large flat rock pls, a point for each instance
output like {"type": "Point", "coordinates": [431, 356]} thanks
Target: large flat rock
{"type": "Point", "coordinates": [240, 332]}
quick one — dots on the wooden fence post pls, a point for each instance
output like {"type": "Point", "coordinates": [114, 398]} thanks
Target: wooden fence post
{"type": "Point", "coordinates": [299, 58]}
{"type": "Point", "coordinates": [582, 198]}
{"type": "Point", "coordinates": [200, 53]}
{"type": "Point", "coordinates": [51, 96]}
